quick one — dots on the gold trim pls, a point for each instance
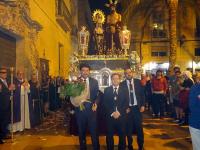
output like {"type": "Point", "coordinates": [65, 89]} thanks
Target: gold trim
{"type": "Point", "coordinates": [102, 57]}
{"type": "Point", "coordinates": [101, 15]}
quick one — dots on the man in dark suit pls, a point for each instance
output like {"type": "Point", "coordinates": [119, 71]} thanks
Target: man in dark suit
{"type": "Point", "coordinates": [115, 102]}
{"type": "Point", "coordinates": [136, 107]}
{"type": "Point", "coordinates": [87, 116]}
{"type": "Point", "coordinates": [4, 104]}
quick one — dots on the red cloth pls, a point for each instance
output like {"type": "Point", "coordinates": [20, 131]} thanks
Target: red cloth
{"type": "Point", "coordinates": [184, 98]}
{"type": "Point", "coordinates": [159, 84]}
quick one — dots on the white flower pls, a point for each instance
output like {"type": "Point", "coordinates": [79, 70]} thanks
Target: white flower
{"type": "Point", "coordinates": [74, 78]}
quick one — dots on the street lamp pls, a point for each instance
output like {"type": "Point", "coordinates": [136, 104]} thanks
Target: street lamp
{"type": "Point", "coordinates": [83, 39]}
{"type": "Point", "coordinates": [125, 39]}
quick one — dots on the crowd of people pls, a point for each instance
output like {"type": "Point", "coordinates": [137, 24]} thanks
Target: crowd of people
{"type": "Point", "coordinates": [176, 96]}
{"type": "Point", "coordinates": [168, 96]}
{"type": "Point", "coordinates": [32, 101]}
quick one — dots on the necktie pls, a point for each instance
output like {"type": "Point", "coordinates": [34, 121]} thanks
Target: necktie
{"type": "Point", "coordinates": [115, 93]}
{"type": "Point", "coordinates": [115, 98]}
{"type": "Point", "coordinates": [131, 92]}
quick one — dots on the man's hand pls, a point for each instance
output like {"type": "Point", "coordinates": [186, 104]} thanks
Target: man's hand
{"type": "Point", "coordinates": [94, 107]}
{"type": "Point", "coordinates": [12, 87]}
{"type": "Point", "coordinates": [142, 109]}
{"type": "Point", "coordinates": [128, 110]}
{"type": "Point", "coordinates": [116, 114]}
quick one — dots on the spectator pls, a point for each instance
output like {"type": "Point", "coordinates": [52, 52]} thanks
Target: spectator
{"type": "Point", "coordinates": [184, 95]}
{"type": "Point", "coordinates": [148, 92]}
{"type": "Point", "coordinates": [194, 117]}
{"type": "Point", "coordinates": [159, 88]}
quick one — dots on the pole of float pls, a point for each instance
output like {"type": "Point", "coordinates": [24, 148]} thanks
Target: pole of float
{"type": "Point", "coordinates": [11, 100]}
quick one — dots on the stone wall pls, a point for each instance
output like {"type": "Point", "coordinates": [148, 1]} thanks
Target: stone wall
{"type": "Point", "coordinates": [16, 22]}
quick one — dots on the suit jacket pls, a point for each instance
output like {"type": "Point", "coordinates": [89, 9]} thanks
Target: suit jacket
{"type": "Point", "coordinates": [139, 91]}
{"type": "Point", "coordinates": [94, 90]}
{"type": "Point", "coordinates": [110, 104]}
{"type": "Point", "coordinates": [4, 98]}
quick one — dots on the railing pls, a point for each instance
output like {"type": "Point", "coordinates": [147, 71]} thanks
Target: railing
{"type": "Point", "coordinates": [159, 34]}
{"type": "Point", "coordinates": [63, 15]}
{"type": "Point", "coordinates": [159, 53]}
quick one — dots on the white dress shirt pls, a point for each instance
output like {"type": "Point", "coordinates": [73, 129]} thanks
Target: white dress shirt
{"type": "Point", "coordinates": [88, 87]}
{"type": "Point", "coordinates": [4, 82]}
{"type": "Point", "coordinates": [116, 89]}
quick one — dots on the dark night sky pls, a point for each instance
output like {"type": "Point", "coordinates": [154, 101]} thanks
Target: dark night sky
{"type": "Point", "coordinates": [100, 4]}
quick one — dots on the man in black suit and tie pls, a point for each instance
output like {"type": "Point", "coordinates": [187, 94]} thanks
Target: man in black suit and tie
{"type": "Point", "coordinates": [87, 116]}
{"type": "Point", "coordinates": [4, 104]}
{"type": "Point", "coordinates": [115, 102]}
{"type": "Point", "coordinates": [136, 107]}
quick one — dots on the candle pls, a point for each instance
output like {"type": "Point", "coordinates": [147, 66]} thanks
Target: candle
{"type": "Point", "coordinates": [37, 76]}
{"type": "Point", "coordinates": [11, 71]}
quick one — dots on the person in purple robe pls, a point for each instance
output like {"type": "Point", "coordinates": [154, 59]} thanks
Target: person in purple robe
{"type": "Point", "coordinates": [21, 103]}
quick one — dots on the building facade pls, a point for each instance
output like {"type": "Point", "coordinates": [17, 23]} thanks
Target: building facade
{"type": "Point", "coordinates": [149, 24]}
{"type": "Point", "coordinates": [38, 36]}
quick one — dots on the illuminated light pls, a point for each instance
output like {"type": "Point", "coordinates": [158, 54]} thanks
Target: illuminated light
{"type": "Point", "coordinates": [146, 67]}
{"type": "Point", "coordinates": [194, 65]}
{"type": "Point", "coordinates": [153, 65]}
{"type": "Point", "coordinates": [150, 66]}
{"type": "Point", "coordinates": [165, 65]}
{"type": "Point", "coordinates": [190, 64]}
{"type": "Point", "coordinates": [155, 25]}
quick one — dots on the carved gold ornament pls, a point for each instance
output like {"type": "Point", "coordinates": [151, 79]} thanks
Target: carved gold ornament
{"type": "Point", "coordinates": [98, 16]}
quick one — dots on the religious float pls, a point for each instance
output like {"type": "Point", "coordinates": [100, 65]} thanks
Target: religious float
{"type": "Point", "coordinates": [112, 53]}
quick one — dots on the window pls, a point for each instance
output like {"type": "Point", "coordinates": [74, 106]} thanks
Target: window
{"type": "Point", "coordinates": [197, 51]}
{"type": "Point", "coordinates": [159, 53]}
{"type": "Point", "coordinates": [156, 33]}
{"type": "Point", "coordinates": [158, 30]}
{"type": "Point", "coordinates": [197, 33]}
{"type": "Point", "coordinates": [158, 17]}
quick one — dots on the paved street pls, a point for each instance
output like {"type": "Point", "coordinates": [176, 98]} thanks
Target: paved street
{"type": "Point", "coordinates": [51, 135]}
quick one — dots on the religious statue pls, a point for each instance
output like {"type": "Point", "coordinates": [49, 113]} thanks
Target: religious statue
{"type": "Point", "coordinates": [125, 39]}
{"type": "Point", "coordinates": [113, 29]}
{"type": "Point", "coordinates": [83, 39]}
{"type": "Point", "coordinates": [99, 19]}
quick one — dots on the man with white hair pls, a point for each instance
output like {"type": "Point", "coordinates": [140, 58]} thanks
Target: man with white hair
{"type": "Point", "coordinates": [21, 103]}
{"type": "Point", "coordinates": [184, 95]}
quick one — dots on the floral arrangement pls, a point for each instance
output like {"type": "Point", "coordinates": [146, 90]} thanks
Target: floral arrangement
{"type": "Point", "coordinates": [73, 88]}
{"type": "Point", "coordinates": [77, 91]}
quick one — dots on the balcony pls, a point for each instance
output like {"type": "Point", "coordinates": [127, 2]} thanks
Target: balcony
{"type": "Point", "coordinates": [159, 53]}
{"type": "Point", "coordinates": [159, 34]}
{"type": "Point", "coordinates": [63, 16]}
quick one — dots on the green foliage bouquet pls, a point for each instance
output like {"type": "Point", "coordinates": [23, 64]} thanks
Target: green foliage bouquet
{"type": "Point", "coordinates": [73, 88]}
{"type": "Point", "coordinates": [77, 91]}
